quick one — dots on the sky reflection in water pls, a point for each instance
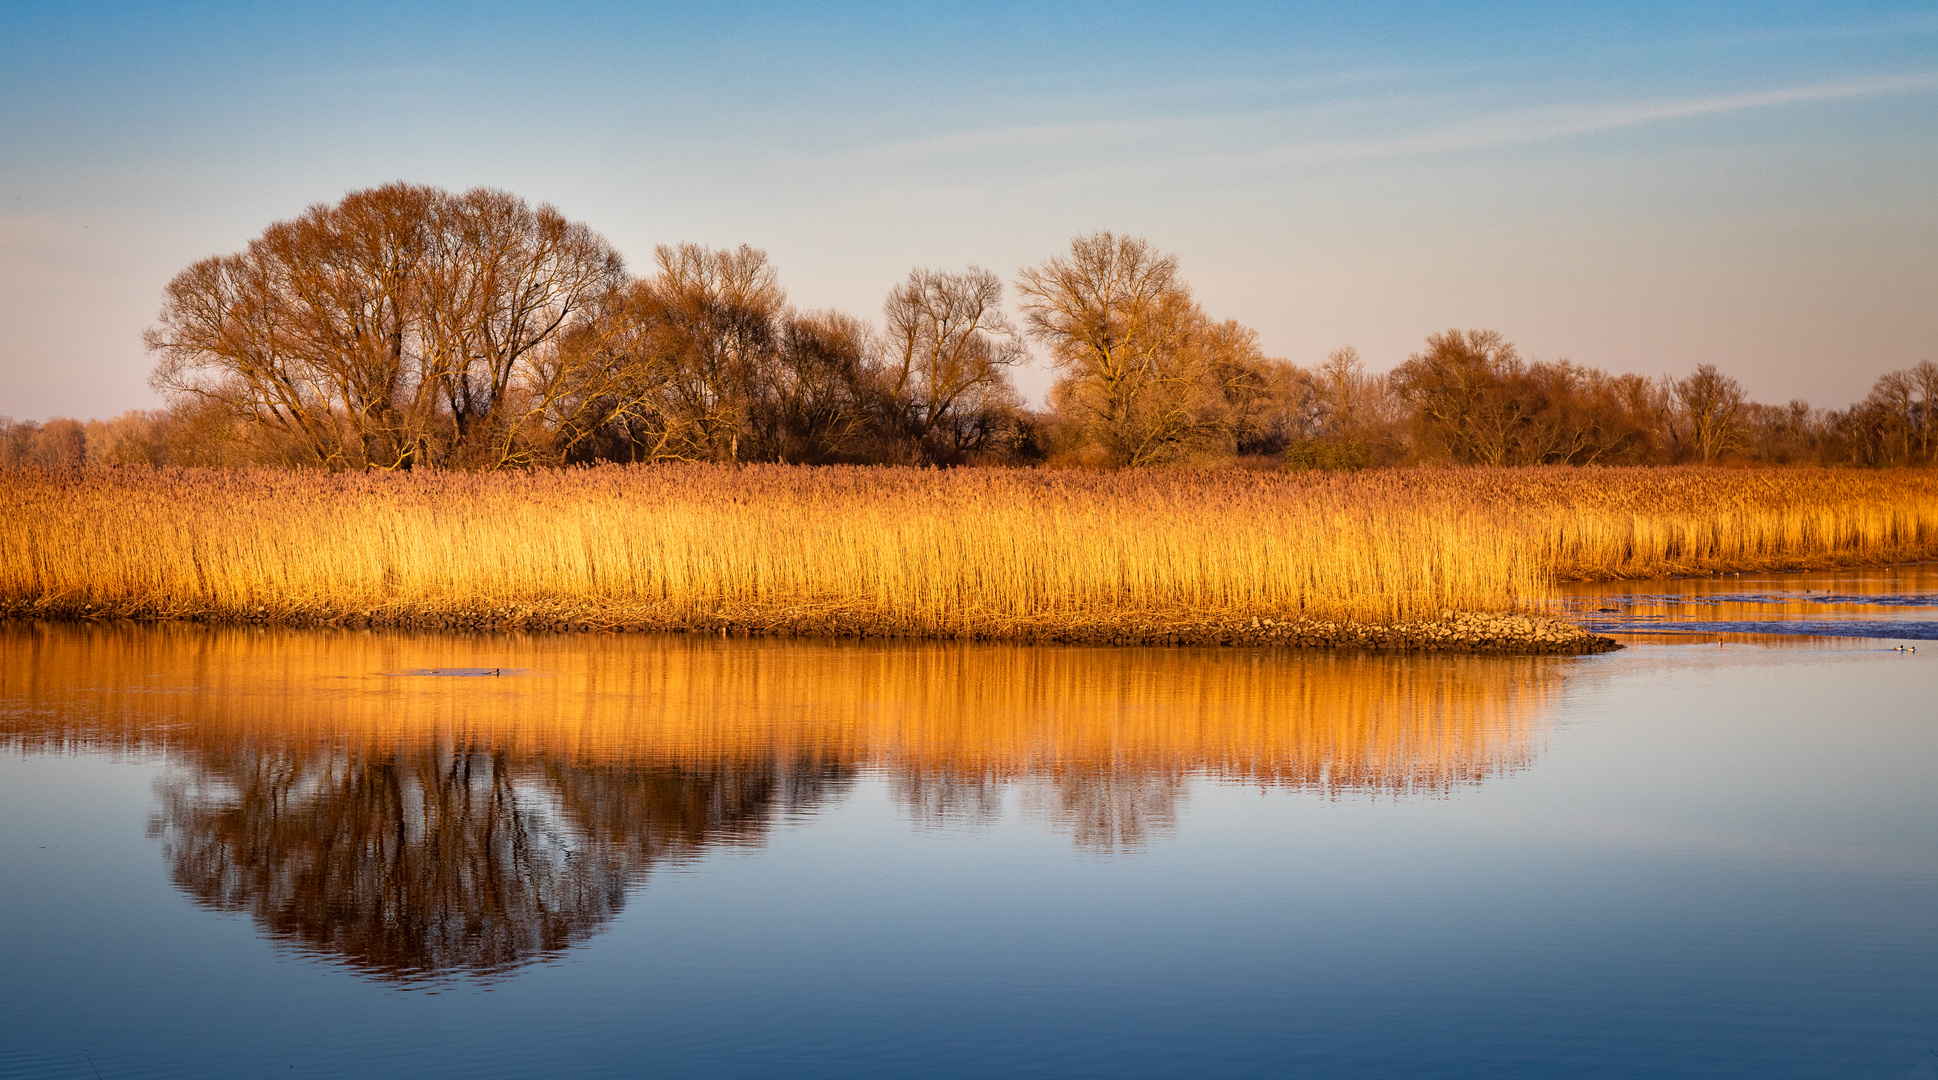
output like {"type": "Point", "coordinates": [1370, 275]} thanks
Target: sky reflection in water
{"type": "Point", "coordinates": [1897, 602]}
{"type": "Point", "coordinates": [684, 855]}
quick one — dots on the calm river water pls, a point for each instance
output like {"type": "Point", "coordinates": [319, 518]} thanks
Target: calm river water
{"type": "Point", "coordinates": [299, 853]}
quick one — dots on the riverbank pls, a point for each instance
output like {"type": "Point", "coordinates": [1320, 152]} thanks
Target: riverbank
{"type": "Point", "coordinates": [1478, 632]}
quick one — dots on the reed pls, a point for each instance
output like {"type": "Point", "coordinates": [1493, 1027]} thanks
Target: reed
{"type": "Point", "coordinates": [961, 553]}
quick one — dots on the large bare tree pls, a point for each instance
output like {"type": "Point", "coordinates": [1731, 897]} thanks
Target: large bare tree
{"type": "Point", "coordinates": [714, 315]}
{"type": "Point", "coordinates": [1475, 400]}
{"type": "Point", "coordinates": [1924, 380]}
{"type": "Point", "coordinates": [503, 284]}
{"type": "Point", "coordinates": [1135, 351]}
{"type": "Point", "coordinates": [1460, 388]}
{"type": "Point", "coordinates": [1711, 406]}
{"type": "Point", "coordinates": [950, 346]}
{"type": "Point", "coordinates": [691, 357]}
{"type": "Point", "coordinates": [401, 326]}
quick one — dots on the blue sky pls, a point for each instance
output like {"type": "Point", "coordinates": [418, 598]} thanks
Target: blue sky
{"type": "Point", "coordinates": [1643, 189]}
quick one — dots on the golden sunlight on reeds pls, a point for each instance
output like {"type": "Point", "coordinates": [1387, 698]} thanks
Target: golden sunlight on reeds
{"type": "Point", "coordinates": [976, 553]}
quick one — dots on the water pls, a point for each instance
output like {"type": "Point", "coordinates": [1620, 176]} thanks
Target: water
{"type": "Point", "coordinates": [1895, 602]}
{"type": "Point", "coordinates": [255, 853]}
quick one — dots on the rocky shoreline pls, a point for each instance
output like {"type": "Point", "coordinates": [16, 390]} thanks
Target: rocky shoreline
{"type": "Point", "coordinates": [1452, 632]}
{"type": "Point", "coordinates": [1477, 632]}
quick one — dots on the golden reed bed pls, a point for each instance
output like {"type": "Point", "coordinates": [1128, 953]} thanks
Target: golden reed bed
{"type": "Point", "coordinates": [1153, 555]}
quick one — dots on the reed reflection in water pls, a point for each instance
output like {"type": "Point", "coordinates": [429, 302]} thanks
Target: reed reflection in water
{"type": "Point", "coordinates": [417, 827]}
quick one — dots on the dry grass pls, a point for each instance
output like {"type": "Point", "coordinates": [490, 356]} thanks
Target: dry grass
{"type": "Point", "coordinates": [992, 553]}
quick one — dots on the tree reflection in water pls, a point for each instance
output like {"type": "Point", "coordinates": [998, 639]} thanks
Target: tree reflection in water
{"type": "Point", "coordinates": [437, 860]}
{"type": "Point", "coordinates": [421, 828]}
{"type": "Point", "coordinates": [1111, 811]}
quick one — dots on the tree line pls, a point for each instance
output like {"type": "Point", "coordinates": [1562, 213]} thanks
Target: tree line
{"type": "Point", "coordinates": [408, 327]}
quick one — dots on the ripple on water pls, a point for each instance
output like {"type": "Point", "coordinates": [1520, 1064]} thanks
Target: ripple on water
{"type": "Point", "coordinates": [1898, 603]}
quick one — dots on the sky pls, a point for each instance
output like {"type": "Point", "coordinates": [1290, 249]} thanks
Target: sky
{"type": "Point", "coordinates": [1640, 187]}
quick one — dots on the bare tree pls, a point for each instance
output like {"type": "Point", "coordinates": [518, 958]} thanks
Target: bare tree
{"type": "Point", "coordinates": [1246, 381]}
{"type": "Point", "coordinates": [1895, 400]}
{"type": "Point", "coordinates": [1895, 424]}
{"type": "Point", "coordinates": [58, 443]}
{"type": "Point", "coordinates": [825, 388]}
{"type": "Point", "coordinates": [713, 317]}
{"type": "Point", "coordinates": [308, 333]}
{"type": "Point", "coordinates": [950, 344]}
{"type": "Point", "coordinates": [1476, 400]}
{"type": "Point", "coordinates": [1345, 392]}
{"type": "Point", "coordinates": [1784, 434]}
{"type": "Point", "coordinates": [1336, 415]}
{"type": "Point", "coordinates": [136, 437]}
{"type": "Point", "coordinates": [401, 326]}
{"type": "Point", "coordinates": [1925, 378]}
{"type": "Point", "coordinates": [1711, 406]}
{"type": "Point", "coordinates": [1458, 388]}
{"type": "Point", "coordinates": [621, 353]}
{"type": "Point", "coordinates": [502, 283]}
{"type": "Point", "coordinates": [1131, 344]}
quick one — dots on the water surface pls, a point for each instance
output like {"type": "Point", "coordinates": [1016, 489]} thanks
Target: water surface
{"type": "Point", "coordinates": [1899, 603]}
{"type": "Point", "coordinates": [246, 852]}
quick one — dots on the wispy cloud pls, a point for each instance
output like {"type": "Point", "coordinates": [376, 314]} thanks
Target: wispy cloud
{"type": "Point", "coordinates": [1543, 124]}
{"type": "Point", "coordinates": [1201, 140]}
